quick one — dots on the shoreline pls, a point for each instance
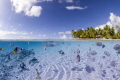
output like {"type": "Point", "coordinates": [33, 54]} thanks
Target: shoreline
{"type": "Point", "coordinates": [57, 39]}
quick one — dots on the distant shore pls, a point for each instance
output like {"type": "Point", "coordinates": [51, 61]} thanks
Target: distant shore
{"type": "Point", "coordinates": [75, 39]}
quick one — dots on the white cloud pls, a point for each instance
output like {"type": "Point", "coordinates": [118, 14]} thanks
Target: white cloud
{"type": "Point", "coordinates": [31, 32]}
{"type": "Point", "coordinates": [45, 0]}
{"type": "Point", "coordinates": [13, 29]}
{"type": "Point", "coordinates": [42, 35]}
{"type": "Point", "coordinates": [67, 32]}
{"type": "Point", "coordinates": [3, 33]}
{"type": "Point", "coordinates": [69, 1]}
{"type": "Point", "coordinates": [24, 33]}
{"type": "Point", "coordinates": [27, 6]}
{"type": "Point", "coordinates": [113, 21]}
{"type": "Point", "coordinates": [35, 11]}
{"type": "Point", "coordinates": [25, 37]}
{"type": "Point", "coordinates": [63, 37]}
{"type": "Point", "coordinates": [0, 25]}
{"type": "Point", "coordinates": [75, 7]}
{"type": "Point", "coordinates": [82, 28]}
{"type": "Point", "coordinates": [61, 33]}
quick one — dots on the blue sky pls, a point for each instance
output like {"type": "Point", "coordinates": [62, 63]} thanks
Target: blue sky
{"type": "Point", "coordinates": [54, 19]}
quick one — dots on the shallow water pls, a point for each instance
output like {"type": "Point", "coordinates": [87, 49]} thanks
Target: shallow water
{"type": "Point", "coordinates": [52, 65]}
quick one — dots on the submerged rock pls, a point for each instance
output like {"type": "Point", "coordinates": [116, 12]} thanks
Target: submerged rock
{"type": "Point", "coordinates": [114, 76]}
{"type": "Point", "coordinates": [56, 71]}
{"type": "Point", "coordinates": [104, 71]}
{"type": "Point", "coordinates": [106, 53]}
{"type": "Point", "coordinates": [51, 44]}
{"type": "Point", "coordinates": [89, 49]}
{"type": "Point", "coordinates": [25, 53]}
{"type": "Point", "coordinates": [92, 68]}
{"type": "Point", "coordinates": [7, 69]}
{"type": "Point", "coordinates": [113, 63]}
{"type": "Point", "coordinates": [33, 61]}
{"type": "Point", "coordinates": [79, 79]}
{"type": "Point", "coordinates": [91, 57]}
{"type": "Point", "coordinates": [93, 52]}
{"type": "Point", "coordinates": [103, 75]}
{"type": "Point", "coordinates": [89, 69]}
{"type": "Point", "coordinates": [118, 52]}
{"type": "Point", "coordinates": [99, 44]}
{"type": "Point", "coordinates": [103, 57]}
{"type": "Point", "coordinates": [76, 69]}
{"type": "Point", "coordinates": [117, 47]}
{"type": "Point", "coordinates": [103, 46]}
{"type": "Point", "coordinates": [22, 66]}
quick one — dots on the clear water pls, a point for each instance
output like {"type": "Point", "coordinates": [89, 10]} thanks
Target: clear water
{"type": "Point", "coordinates": [52, 65]}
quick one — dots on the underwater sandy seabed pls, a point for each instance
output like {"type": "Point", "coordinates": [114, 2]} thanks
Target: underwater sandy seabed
{"type": "Point", "coordinates": [57, 60]}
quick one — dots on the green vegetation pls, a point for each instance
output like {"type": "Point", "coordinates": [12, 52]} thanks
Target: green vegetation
{"type": "Point", "coordinates": [107, 33]}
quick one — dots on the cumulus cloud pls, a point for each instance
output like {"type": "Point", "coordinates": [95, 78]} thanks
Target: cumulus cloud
{"type": "Point", "coordinates": [27, 6]}
{"type": "Point", "coordinates": [25, 37]}
{"type": "Point", "coordinates": [67, 32]}
{"type": "Point", "coordinates": [13, 29]}
{"type": "Point", "coordinates": [3, 33]}
{"type": "Point", "coordinates": [63, 37]}
{"type": "Point", "coordinates": [75, 7]}
{"type": "Point", "coordinates": [113, 21]}
{"type": "Point", "coordinates": [24, 33]}
{"type": "Point", "coordinates": [42, 35]}
{"type": "Point", "coordinates": [45, 0]}
{"type": "Point", "coordinates": [82, 28]}
{"type": "Point", "coordinates": [67, 1]}
{"type": "Point", "coordinates": [31, 32]}
{"type": "Point", "coordinates": [11, 26]}
{"type": "Point", "coordinates": [35, 11]}
{"type": "Point", "coordinates": [61, 33]}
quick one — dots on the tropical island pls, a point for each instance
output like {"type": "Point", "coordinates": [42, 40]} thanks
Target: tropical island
{"type": "Point", "coordinates": [91, 33]}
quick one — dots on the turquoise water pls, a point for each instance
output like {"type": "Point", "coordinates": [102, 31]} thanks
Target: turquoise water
{"type": "Point", "coordinates": [52, 65]}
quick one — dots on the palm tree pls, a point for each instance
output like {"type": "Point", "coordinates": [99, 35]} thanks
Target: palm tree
{"type": "Point", "coordinates": [73, 33]}
{"type": "Point", "coordinates": [117, 27]}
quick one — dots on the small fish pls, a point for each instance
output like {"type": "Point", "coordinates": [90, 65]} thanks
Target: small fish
{"type": "Point", "coordinates": [13, 45]}
{"type": "Point", "coordinates": [78, 51]}
{"type": "Point", "coordinates": [78, 58]}
{"type": "Point", "coordinates": [61, 52]}
{"type": "Point", "coordinates": [89, 49]}
{"type": "Point", "coordinates": [1, 49]}
{"type": "Point", "coordinates": [106, 53]}
{"type": "Point", "coordinates": [17, 50]}
{"type": "Point", "coordinates": [69, 44]}
{"type": "Point", "coordinates": [44, 47]}
{"type": "Point", "coordinates": [93, 52]}
{"type": "Point", "coordinates": [103, 46]}
{"type": "Point", "coordinates": [37, 74]}
{"type": "Point", "coordinates": [22, 66]}
{"type": "Point", "coordinates": [9, 43]}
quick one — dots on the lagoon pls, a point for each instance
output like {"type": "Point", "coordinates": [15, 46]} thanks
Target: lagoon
{"type": "Point", "coordinates": [52, 65]}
